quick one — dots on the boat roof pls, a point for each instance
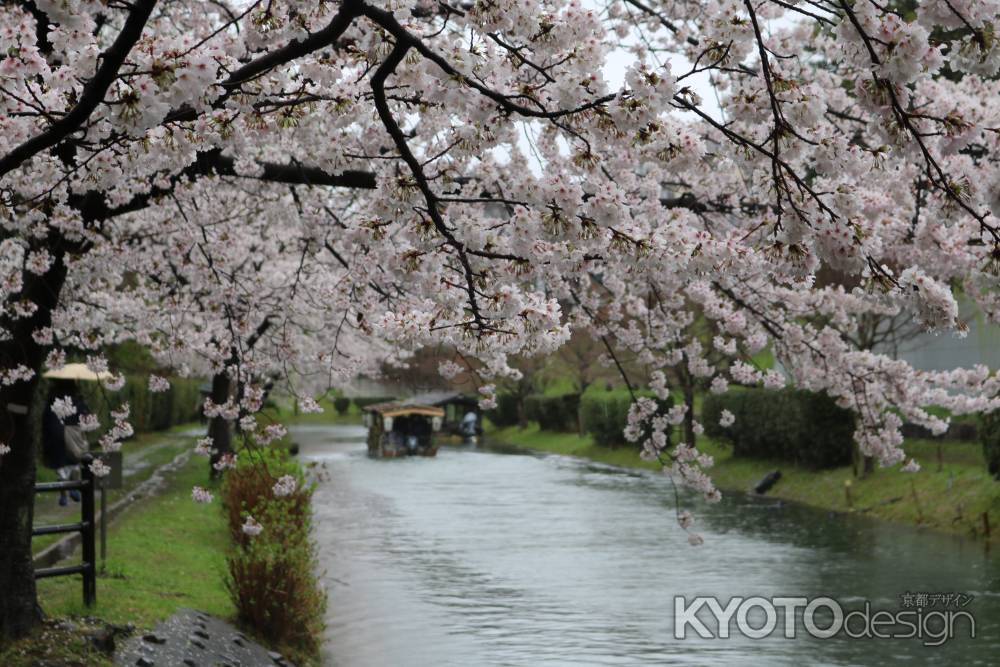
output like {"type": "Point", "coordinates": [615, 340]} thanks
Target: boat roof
{"type": "Point", "coordinates": [403, 408]}
{"type": "Point", "coordinates": [443, 397]}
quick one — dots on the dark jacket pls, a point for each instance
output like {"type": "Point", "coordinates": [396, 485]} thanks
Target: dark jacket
{"type": "Point", "coordinates": [54, 434]}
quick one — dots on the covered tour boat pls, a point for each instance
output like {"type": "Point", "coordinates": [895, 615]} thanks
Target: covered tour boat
{"type": "Point", "coordinates": [402, 428]}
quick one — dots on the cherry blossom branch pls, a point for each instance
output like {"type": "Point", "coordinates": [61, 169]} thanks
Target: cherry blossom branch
{"type": "Point", "coordinates": [387, 67]}
{"type": "Point", "coordinates": [403, 37]}
{"type": "Point", "coordinates": [111, 60]}
{"type": "Point", "coordinates": [935, 172]}
{"type": "Point", "coordinates": [282, 56]}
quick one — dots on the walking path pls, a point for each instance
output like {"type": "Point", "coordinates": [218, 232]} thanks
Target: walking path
{"type": "Point", "coordinates": [142, 461]}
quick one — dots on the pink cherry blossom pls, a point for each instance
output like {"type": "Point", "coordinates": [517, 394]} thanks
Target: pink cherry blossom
{"type": "Point", "coordinates": [201, 495]}
{"type": "Point", "coordinates": [251, 527]}
{"type": "Point", "coordinates": [287, 215]}
{"type": "Point", "coordinates": [285, 486]}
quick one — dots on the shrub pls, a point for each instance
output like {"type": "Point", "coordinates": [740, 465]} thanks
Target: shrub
{"type": "Point", "coordinates": [277, 595]}
{"type": "Point", "coordinates": [605, 416]}
{"type": "Point", "coordinates": [788, 424]}
{"type": "Point", "coordinates": [249, 489]}
{"type": "Point", "coordinates": [989, 435]}
{"type": "Point", "coordinates": [506, 412]}
{"type": "Point", "coordinates": [553, 413]}
{"type": "Point", "coordinates": [272, 576]}
{"type": "Point", "coordinates": [341, 404]}
{"type": "Point", "coordinates": [960, 429]}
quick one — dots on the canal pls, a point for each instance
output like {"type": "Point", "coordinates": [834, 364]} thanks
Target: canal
{"type": "Point", "coordinates": [481, 557]}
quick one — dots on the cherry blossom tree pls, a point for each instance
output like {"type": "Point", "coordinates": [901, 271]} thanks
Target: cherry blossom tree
{"type": "Point", "coordinates": [296, 191]}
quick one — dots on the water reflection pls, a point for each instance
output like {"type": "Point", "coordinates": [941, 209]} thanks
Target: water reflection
{"type": "Point", "coordinates": [485, 558]}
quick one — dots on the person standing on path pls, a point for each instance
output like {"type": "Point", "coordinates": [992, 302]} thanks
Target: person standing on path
{"type": "Point", "coordinates": [63, 441]}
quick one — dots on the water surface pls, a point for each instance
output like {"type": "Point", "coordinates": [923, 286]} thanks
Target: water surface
{"type": "Point", "coordinates": [485, 558]}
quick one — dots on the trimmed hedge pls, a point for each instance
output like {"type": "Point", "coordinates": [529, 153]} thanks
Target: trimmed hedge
{"type": "Point", "coordinates": [554, 413]}
{"type": "Point", "coordinates": [149, 411]}
{"type": "Point", "coordinates": [605, 416]}
{"type": "Point", "coordinates": [787, 424]}
{"type": "Point", "coordinates": [959, 430]}
{"type": "Point", "coordinates": [341, 404]}
{"type": "Point", "coordinates": [505, 413]}
{"type": "Point", "coordinates": [989, 435]}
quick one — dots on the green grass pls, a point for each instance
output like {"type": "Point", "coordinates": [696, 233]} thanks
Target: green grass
{"type": "Point", "coordinates": [569, 444]}
{"type": "Point", "coordinates": [57, 646]}
{"type": "Point", "coordinates": [163, 553]}
{"type": "Point", "coordinates": [952, 499]}
{"type": "Point", "coordinates": [155, 449]}
{"type": "Point", "coordinates": [284, 411]}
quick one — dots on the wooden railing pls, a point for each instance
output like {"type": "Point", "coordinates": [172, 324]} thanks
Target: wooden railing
{"type": "Point", "coordinates": [85, 485]}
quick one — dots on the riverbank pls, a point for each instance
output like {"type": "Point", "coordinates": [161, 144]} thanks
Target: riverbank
{"type": "Point", "coordinates": [168, 552]}
{"type": "Point", "coordinates": [164, 552]}
{"type": "Point", "coordinates": [285, 410]}
{"type": "Point", "coordinates": [952, 497]}
{"type": "Point", "coordinates": [142, 457]}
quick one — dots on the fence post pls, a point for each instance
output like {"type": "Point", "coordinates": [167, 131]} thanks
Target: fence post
{"type": "Point", "coordinates": [88, 541]}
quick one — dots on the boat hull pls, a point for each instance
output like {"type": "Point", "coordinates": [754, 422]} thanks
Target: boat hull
{"type": "Point", "coordinates": [390, 451]}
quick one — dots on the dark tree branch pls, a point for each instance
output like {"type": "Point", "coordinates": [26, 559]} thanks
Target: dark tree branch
{"type": "Point", "coordinates": [286, 54]}
{"type": "Point", "coordinates": [93, 93]}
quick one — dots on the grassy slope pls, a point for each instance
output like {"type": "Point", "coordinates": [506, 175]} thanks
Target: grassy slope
{"type": "Point", "coordinates": [951, 500]}
{"type": "Point", "coordinates": [284, 411]}
{"type": "Point", "coordinates": [165, 552]}
{"type": "Point", "coordinates": [53, 644]}
{"type": "Point", "coordinates": [154, 450]}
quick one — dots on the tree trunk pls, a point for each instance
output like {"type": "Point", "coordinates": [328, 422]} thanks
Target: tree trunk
{"type": "Point", "coordinates": [218, 428]}
{"type": "Point", "coordinates": [862, 465]}
{"type": "Point", "coordinates": [19, 413]}
{"type": "Point", "coordinates": [17, 505]}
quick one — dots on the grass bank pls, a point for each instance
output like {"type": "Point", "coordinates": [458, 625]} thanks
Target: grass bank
{"type": "Point", "coordinates": [285, 411]}
{"type": "Point", "coordinates": [164, 552]}
{"type": "Point", "coordinates": [951, 497]}
{"type": "Point", "coordinates": [142, 455]}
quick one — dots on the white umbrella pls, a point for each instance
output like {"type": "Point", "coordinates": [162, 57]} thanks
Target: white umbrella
{"type": "Point", "coordinates": [77, 372]}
